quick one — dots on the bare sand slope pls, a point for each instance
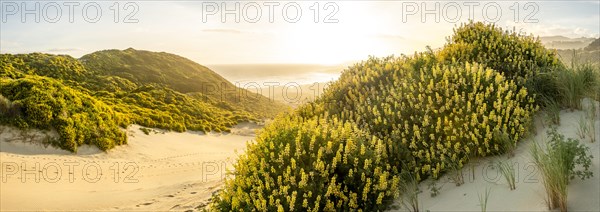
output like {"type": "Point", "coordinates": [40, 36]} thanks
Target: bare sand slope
{"type": "Point", "coordinates": [157, 172]}
{"type": "Point", "coordinates": [583, 195]}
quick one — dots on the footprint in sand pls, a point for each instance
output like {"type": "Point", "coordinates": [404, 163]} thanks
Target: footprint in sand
{"type": "Point", "coordinates": [193, 192]}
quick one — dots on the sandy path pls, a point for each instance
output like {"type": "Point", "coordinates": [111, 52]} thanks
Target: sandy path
{"type": "Point", "coordinates": [156, 172]}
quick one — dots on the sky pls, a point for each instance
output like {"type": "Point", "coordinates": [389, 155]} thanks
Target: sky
{"type": "Point", "coordinates": [272, 32]}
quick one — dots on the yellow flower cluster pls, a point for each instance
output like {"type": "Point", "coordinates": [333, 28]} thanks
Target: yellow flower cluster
{"type": "Point", "coordinates": [433, 117]}
{"type": "Point", "coordinates": [347, 170]}
{"type": "Point", "coordinates": [515, 55]}
{"type": "Point", "coordinates": [470, 103]}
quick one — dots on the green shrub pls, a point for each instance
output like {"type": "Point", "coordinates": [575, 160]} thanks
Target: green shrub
{"type": "Point", "coordinates": [311, 165]}
{"type": "Point", "coordinates": [78, 118]}
{"type": "Point", "coordinates": [145, 130]}
{"type": "Point", "coordinates": [558, 165]}
{"type": "Point", "coordinates": [572, 154]}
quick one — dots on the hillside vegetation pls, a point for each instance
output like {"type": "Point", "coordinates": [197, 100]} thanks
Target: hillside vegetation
{"type": "Point", "coordinates": [89, 100]}
{"type": "Point", "coordinates": [594, 46]}
{"type": "Point", "coordinates": [590, 54]}
{"type": "Point", "coordinates": [408, 117]}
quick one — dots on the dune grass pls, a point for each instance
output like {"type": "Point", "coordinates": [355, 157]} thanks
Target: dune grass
{"type": "Point", "coordinates": [456, 174]}
{"type": "Point", "coordinates": [409, 190]}
{"type": "Point", "coordinates": [555, 178]}
{"type": "Point", "coordinates": [565, 87]}
{"type": "Point", "coordinates": [577, 83]}
{"type": "Point", "coordinates": [552, 111]}
{"type": "Point", "coordinates": [572, 88]}
{"type": "Point", "coordinates": [483, 199]}
{"type": "Point", "coordinates": [591, 115]}
{"type": "Point", "coordinates": [593, 130]}
{"type": "Point", "coordinates": [583, 129]}
{"type": "Point", "coordinates": [508, 171]}
{"type": "Point", "coordinates": [587, 122]}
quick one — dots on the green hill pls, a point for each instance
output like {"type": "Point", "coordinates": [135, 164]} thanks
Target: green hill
{"type": "Point", "coordinates": [594, 46]}
{"type": "Point", "coordinates": [145, 67]}
{"type": "Point", "coordinates": [133, 87]}
{"type": "Point", "coordinates": [179, 74]}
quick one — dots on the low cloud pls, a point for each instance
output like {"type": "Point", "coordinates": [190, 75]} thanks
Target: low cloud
{"type": "Point", "coordinates": [390, 36]}
{"type": "Point", "coordinates": [232, 31]}
{"type": "Point", "coordinates": [63, 50]}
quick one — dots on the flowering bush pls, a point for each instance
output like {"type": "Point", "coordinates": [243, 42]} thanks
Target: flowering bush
{"type": "Point", "coordinates": [516, 56]}
{"type": "Point", "coordinates": [311, 165]}
{"type": "Point", "coordinates": [431, 116]}
{"type": "Point", "coordinates": [451, 113]}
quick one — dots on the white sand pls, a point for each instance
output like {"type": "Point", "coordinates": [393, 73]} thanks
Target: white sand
{"type": "Point", "coordinates": [156, 172]}
{"type": "Point", "coordinates": [529, 195]}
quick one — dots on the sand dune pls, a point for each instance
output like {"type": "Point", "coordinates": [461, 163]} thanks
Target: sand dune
{"type": "Point", "coordinates": [583, 195]}
{"type": "Point", "coordinates": [180, 171]}
{"type": "Point", "coordinates": [160, 171]}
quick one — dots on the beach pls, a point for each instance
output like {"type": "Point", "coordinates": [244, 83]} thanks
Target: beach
{"type": "Point", "coordinates": [156, 172]}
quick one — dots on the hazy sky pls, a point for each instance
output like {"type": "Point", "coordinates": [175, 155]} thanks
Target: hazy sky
{"type": "Point", "coordinates": [358, 28]}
